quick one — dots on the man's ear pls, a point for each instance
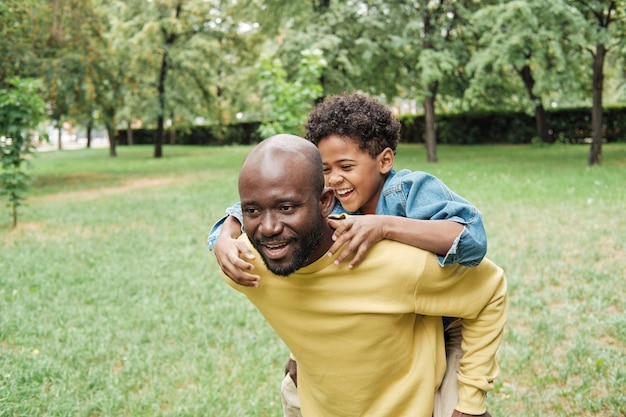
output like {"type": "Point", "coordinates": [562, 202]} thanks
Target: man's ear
{"type": "Point", "coordinates": [327, 201]}
{"type": "Point", "coordinates": [385, 161]}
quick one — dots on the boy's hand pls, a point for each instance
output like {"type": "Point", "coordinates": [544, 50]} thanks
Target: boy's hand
{"type": "Point", "coordinates": [360, 232]}
{"type": "Point", "coordinates": [228, 251]}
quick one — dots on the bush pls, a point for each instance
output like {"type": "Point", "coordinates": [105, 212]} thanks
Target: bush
{"type": "Point", "coordinates": [21, 110]}
{"type": "Point", "coordinates": [234, 134]}
{"type": "Point", "coordinates": [566, 126]}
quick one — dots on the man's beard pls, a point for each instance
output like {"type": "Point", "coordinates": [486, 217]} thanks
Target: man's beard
{"type": "Point", "coordinates": [302, 252]}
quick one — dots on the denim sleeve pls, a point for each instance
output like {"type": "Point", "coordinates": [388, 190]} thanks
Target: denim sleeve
{"type": "Point", "coordinates": [469, 248]}
{"type": "Point", "coordinates": [235, 211]}
{"type": "Point", "coordinates": [427, 197]}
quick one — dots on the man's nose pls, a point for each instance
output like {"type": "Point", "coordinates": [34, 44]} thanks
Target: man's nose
{"type": "Point", "coordinates": [270, 224]}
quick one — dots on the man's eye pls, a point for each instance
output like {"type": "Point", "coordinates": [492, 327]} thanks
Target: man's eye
{"type": "Point", "coordinates": [286, 209]}
{"type": "Point", "coordinates": [250, 211]}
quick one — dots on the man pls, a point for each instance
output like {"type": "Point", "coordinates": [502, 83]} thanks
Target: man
{"type": "Point", "coordinates": [367, 347]}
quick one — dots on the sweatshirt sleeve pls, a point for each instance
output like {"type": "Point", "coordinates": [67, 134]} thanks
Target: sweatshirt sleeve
{"type": "Point", "coordinates": [478, 296]}
{"type": "Point", "coordinates": [235, 211]}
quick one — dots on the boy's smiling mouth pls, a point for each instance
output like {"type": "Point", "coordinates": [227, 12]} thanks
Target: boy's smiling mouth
{"type": "Point", "coordinates": [346, 192]}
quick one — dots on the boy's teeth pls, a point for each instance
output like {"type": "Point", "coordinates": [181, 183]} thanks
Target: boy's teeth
{"type": "Point", "coordinates": [342, 192]}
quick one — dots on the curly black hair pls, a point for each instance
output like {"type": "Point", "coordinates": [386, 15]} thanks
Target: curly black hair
{"type": "Point", "coordinates": [355, 116]}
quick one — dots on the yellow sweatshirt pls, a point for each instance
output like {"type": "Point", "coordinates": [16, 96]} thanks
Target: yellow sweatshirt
{"type": "Point", "coordinates": [369, 340]}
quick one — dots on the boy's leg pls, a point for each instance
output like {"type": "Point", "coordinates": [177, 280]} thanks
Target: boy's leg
{"type": "Point", "coordinates": [448, 394]}
{"type": "Point", "coordinates": [289, 391]}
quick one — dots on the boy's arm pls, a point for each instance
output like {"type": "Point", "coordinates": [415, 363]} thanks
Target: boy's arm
{"type": "Point", "coordinates": [229, 251]}
{"type": "Point", "coordinates": [361, 232]}
{"type": "Point", "coordinates": [216, 229]}
{"type": "Point", "coordinates": [422, 212]}
{"type": "Point", "coordinates": [426, 197]}
{"type": "Point", "coordinates": [478, 295]}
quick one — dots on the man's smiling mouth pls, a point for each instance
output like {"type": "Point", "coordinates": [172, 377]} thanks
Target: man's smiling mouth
{"type": "Point", "coordinates": [275, 250]}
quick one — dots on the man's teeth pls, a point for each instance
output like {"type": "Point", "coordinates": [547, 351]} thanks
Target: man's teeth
{"type": "Point", "coordinates": [274, 246]}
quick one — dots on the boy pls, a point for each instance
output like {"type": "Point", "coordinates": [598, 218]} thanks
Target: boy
{"type": "Point", "coordinates": [357, 137]}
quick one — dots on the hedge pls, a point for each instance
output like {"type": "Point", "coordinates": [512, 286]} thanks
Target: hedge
{"type": "Point", "coordinates": [566, 126]}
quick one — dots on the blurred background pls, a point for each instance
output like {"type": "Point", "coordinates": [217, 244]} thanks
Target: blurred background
{"type": "Point", "coordinates": [225, 72]}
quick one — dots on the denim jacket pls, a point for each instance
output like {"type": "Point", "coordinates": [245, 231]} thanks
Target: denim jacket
{"type": "Point", "coordinates": [417, 195]}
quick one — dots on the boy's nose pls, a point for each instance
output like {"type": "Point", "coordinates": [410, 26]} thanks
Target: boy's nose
{"type": "Point", "coordinates": [334, 180]}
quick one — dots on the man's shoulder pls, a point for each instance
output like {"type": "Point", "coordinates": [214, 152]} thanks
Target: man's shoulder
{"type": "Point", "coordinates": [388, 248]}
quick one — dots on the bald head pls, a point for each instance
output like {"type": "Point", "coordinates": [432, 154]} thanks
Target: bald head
{"type": "Point", "coordinates": [287, 155]}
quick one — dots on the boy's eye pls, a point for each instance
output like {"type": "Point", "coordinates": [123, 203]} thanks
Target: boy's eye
{"type": "Point", "coordinates": [346, 166]}
{"type": "Point", "coordinates": [326, 170]}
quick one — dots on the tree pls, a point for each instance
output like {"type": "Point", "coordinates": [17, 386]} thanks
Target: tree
{"type": "Point", "coordinates": [603, 27]}
{"type": "Point", "coordinates": [182, 48]}
{"type": "Point", "coordinates": [111, 75]}
{"type": "Point", "coordinates": [431, 44]}
{"type": "Point", "coordinates": [21, 110]}
{"type": "Point", "coordinates": [351, 36]}
{"type": "Point", "coordinates": [524, 37]}
{"type": "Point", "coordinates": [72, 26]}
{"type": "Point", "coordinates": [289, 101]}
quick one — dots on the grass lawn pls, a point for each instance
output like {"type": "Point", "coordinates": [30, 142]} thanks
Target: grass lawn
{"type": "Point", "coordinates": [111, 305]}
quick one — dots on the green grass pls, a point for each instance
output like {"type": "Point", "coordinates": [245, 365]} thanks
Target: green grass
{"type": "Point", "coordinates": [111, 305]}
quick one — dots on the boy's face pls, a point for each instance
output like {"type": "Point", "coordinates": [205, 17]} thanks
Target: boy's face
{"type": "Point", "coordinates": [356, 178]}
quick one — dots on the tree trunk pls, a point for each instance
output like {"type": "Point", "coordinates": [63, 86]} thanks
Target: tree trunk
{"type": "Point", "coordinates": [170, 38]}
{"type": "Point", "coordinates": [60, 132]}
{"type": "Point", "coordinates": [158, 140]}
{"type": "Point", "coordinates": [430, 131]}
{"type": "Point", "coordinates": [173, 136]}
{"type": "Point", "coordinates": [89, 132]}
{"type": "Point", "coordinates": [14, 213]}
{"type": "Point", "coordinates": [541, 117]}
{"type": "Point", "coordinates": [595, 153]}
{"type": "Point", "coordinates": [129, 134]}
{"type": "Point", "coordinates": [111, 133]}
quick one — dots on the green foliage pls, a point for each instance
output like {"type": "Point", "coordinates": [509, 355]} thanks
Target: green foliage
{"type": "Point", "coordinates": [21, 110]}
{"type": "Point", "coordinates": [514, 35]}
{"type": "Point", "coordinates": [23, 30]}
{"type": "Point", "coordinates": [100, 59]}
{"type": "Point", "coordinates": [289, 101]}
